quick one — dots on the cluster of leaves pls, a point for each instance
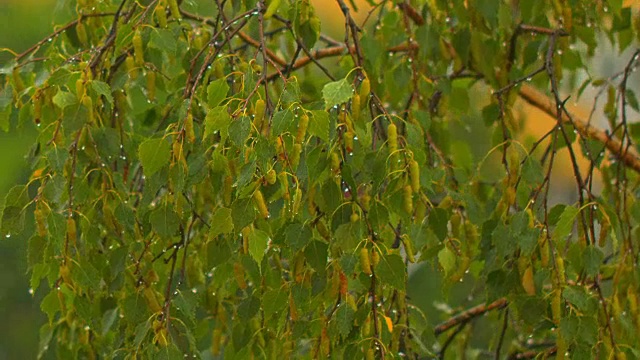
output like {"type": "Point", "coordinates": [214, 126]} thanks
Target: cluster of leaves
{"type": "Point", "coordinates": [238, 184]}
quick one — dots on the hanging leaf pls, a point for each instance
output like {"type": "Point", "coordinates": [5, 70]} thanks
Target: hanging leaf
{"type": "Point", "coordinates": [336, 93]}
{"type": "Point", "coordinates": [154, 154]}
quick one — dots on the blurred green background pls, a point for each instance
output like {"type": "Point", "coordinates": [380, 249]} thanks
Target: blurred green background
{"type": "Point", "coordinates": [22, 23]}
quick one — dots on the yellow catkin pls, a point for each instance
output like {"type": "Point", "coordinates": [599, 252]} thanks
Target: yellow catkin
{"type": "Point", "coordinates": [556, 306]}
{"type": "Point", "coordinates": [375, 258]}
{"type": "Point", "coordinates": [216, 340]}
{"type": "Point", "coordinates": [392, 137]}
{"type": "Point", "coordinates": [335, 162]}
{"type": "Point", "coordinates": [302, 128]}
{"type": "Point", "coordinates": [162, 337]}
{"type": "Point", "coordinates": [188, 129]}
{"type": "Point", "coordinates": [37, 107]}
{"type": "Point", "coordinates": [293, 310]}
{"type": "Point", "coordinates": [258, 118]}
{"type": "Point", "coordinates": [151, 86]}
{"type": "Point", "coordinates": [81, 31]}
{"type": "Point", "coordinates": [354, 217]}
{"type": "Point", "coordinates": [130, 65]}
{"type": "Point", "coordinates": [407, 199]}
{"type": "Point", "coordinates": [261, 205]}
{"type": "Point", "coordinates": [71, 229]}
{"type": "Point", "coordinates": [297, 200]}
{"type": "Point", "coordinates": [40, 219]}
{"type": "Point", "coordinates": [152, 300]}
{"type": "Point", "coordinates": [414, 175]}
{"type": "Point", "coordinates": [138, 52]}
{"type": "Point", "coordinates": [80, 91]}
{"type": "Point", "coordinates": [527, 281]}
{"type": "Point", "coordinates": [175, 10]}
{"type": "Point", "coordinates": [348, 141]}
{"type": "Point", "coordinates": [227, 190]}
{"type": "Point", "coordinates": [161, 15]}
{"type": "Point", "coordinates": [238, 272]}
{"type": "Point", "coordinates": [294, 158]}
{"type": "Point", "coordinates": [65, 273]}
{"type": "Point", "coordinates": [355, 107]}
{"type": "Point", "coordinates": [543, 244]}
{"type": "Point", "coordinates": [88, 103]}
{"type": "Point", "coordinates": [365, 261]}
{"type": "Point", "coordinates": [284, 184]}
{"type": "Point", "coordinates": [270, 177]}
{"type": "Point", "coordinates": [408, 248]}
{"type": "Point", "coordinates": [365, 89]}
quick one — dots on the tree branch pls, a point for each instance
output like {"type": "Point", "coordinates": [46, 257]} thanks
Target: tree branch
{"type": "Point", "coordinates": [469, 314]}
{"type": "Point", "coordinates": [628, 156]}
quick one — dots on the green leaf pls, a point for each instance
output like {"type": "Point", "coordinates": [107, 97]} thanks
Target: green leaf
{"type": "Point", "coordinates": [62, 99]}
{"type": "Point", "coordinates": [309, 31]}
{"type": "Point", "coordinates": [242, 213]}
{"type": "Point", "coordinates": [13, 215]}
{"type": "Point", "coordinates": [85, 274]}
{"type": "Point", "coordinates": [108, 319]}
{"type": "Point", "coordinates": [282, 122]}
{"type": "Point", "coordinates": [217, 119]}
{"type": "Point", "coordinates": [297, 236]}
{"type": "Point", "coordinates": [258, 241]}
{"type": "Point", "coordinates": [102, 89]}
{"type": "Point", "coordinates": [592, 260]}
{"type": "Point", "coordinates": [50, 305]}
{"type": "Point", "coordinates": [274, 302]}
{"type": "Point", "coordinates": [392, 271]}
{"type": "Point", "coordinates": [447, 259]}
{"type": "Point", "coordinates": [532, 171]}
{"type": "Point", "coordinates": [6, 98]}
{"type": "Point", "coordinates": [565, 224]}
{"type": "Point", "coordinates": [319, 124]}
{"type": "Point", "coordinates": [239, 130]}
{"type": "Point", "coordinates": [378, 214]}
{"type": "Point", "coordinates": [165, 221]}
{"type": "Point", "coordinates": [163, 39]}
{"type": "Point", "coordinates": [578, 297]}
{"type": "Point", "coordinates": [438, 220]}
{"type": "Point", "coordinates": [316, 254]}
{"type": "Point", "coordinates": [154, 154]}
{"type": "Point", "coordinates": [337, 92]}
{"type": "Point", "coordinates": [221, 222]}
{"type": "Point", "coordinates": [344, 319]}
{"type": "Point", "coordinates": [217, 92]}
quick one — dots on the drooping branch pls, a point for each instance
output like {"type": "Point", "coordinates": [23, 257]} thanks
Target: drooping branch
{"type": "Point", "coordinates": [412, 13]}
{"type": "Point", "coordinates": [629, 157]}
{"type": "Point", "coordinates": [469, 314]}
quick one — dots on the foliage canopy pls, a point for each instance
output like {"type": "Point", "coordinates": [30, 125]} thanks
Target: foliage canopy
{"type": "Point", "coordinates": [235, 183]}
